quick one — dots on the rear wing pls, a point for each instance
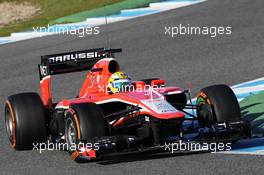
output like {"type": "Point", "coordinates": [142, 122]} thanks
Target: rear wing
{"type": "Point", "coordinates": [73, 61]}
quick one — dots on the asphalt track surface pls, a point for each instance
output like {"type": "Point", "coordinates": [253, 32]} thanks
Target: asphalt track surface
{"type": "Point", "coordinates": [199, 60]}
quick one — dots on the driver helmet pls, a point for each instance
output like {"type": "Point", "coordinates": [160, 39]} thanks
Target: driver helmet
{"type": "Point", "coordinates": [119, 82]}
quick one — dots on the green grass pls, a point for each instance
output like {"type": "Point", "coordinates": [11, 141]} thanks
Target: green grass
{"type": "Point", "coordinates": [51, 10]}
{"type": "Point", "coordinates": [252, 109]}
{"type": "Point", "coordinates": [108, 10]}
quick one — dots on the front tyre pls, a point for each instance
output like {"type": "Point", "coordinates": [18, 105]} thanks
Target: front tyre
{"type": "Point", "coordinates": [224, 102]}
{"type": "Point", "coordinates": [83, 123]}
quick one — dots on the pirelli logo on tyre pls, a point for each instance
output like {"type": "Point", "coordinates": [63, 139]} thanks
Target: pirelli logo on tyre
{"type": "Point", "coordinates": [201, 94]}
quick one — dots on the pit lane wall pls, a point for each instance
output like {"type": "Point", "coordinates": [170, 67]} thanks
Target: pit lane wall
{"type": "Point", "coordinates": [124, 10]}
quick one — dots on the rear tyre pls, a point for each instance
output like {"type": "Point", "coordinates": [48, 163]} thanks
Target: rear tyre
{"type": "Point", "coordinates": [25, 120]}
{"type": "Point", "coordinates": [224, 102]}
{"type": "Point", "coordinates": [83, 123]}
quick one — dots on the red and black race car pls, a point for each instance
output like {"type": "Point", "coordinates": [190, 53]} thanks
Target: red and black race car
{"type": "Point", "coordinates": [142, 116]}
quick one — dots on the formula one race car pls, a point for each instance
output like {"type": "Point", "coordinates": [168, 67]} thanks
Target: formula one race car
{"type": "Point", "coordinates": [113, 114]}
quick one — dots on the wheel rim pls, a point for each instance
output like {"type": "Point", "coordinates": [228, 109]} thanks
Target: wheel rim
{"type": "Point", "coordinates": [71, 133]}
{"type": "Point", "coordinates": [9, 124]}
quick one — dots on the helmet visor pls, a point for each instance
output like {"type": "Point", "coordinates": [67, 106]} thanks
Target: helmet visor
{"type": "Point", "coordinates": [121, 85]}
